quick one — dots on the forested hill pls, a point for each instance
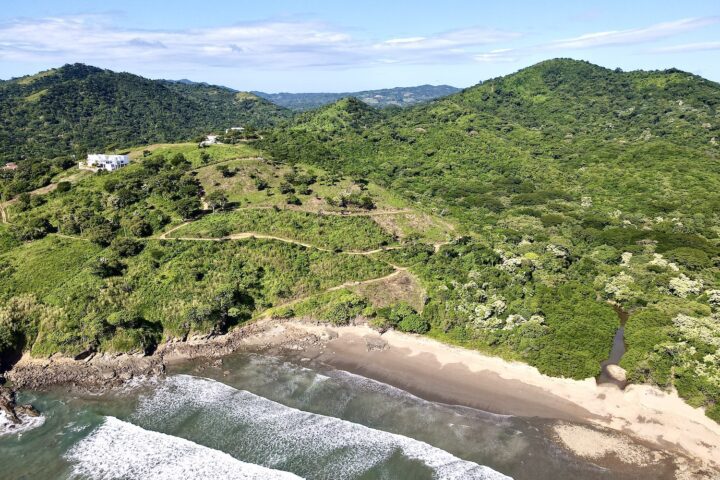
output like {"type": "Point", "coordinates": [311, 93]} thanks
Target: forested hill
{"type": "Point", "coordinates": [577, 186]}
{"type": "Point", "coordinates": [78, 107]}
{"type": "Point", "coordinates": [386, 97]}
{"type": "Point", "coordinates": [557, 116]}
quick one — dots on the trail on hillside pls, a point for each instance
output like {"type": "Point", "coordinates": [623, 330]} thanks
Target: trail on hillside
{"type": "Point", "coordinates": [248, 235]}
{"type": "Point", "coordinates": [356, 283]}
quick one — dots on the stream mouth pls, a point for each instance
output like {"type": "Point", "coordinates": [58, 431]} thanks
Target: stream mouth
{"type": "Point", "coordinates": [616, 353]}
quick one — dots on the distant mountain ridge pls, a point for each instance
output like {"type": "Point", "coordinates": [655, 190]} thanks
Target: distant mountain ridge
{"type": "Point", "coordinates": [386, 97]}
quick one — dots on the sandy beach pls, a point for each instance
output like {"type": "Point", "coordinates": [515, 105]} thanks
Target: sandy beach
{"type": "Point", "coordinates": [635, 424]}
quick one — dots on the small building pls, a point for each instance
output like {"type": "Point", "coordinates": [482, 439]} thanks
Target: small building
{"type": "Point", "coordinates": [10, 166]}
{"type": "Point", "coordinates": [99, 161]}
{"type": "Point", "coordinates": [234, 129]}
{"type": "Point", "coordinates": [209, 140]}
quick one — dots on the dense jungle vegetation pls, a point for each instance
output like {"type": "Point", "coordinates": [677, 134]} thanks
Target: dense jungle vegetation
{"type": "Point", "coordinates": [555, 194]}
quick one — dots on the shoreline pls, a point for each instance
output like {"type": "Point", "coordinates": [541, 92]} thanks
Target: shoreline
{"type": "Point", "coordinates": [658, 424]}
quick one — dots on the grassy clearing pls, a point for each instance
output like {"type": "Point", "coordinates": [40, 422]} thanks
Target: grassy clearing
{"type": "Point", "coordinates": [338, 307]}
{"type": "Point", "coordinates": [416, 225]}
{"type": "Point", "coordinates": [324, 231]}
{"type": "Point", "coordinates": [269, 272]}
{"type": "Point", "coordinates": [42, 266]}
{"type": "Point", "coordinates": [403, 287]}
{"type": "Point", "coordinates": [241, 186]}
{"type": "Point", "coordinates": [217, 153]}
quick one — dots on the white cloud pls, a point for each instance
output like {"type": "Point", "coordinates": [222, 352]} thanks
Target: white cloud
{"type": "Point", "coordinates": [283, 44]}
{"type": "Point", "coordinates": [688, 47]}
{"type": "Point", "coordinates": [635, 35]}
{"type": "Point", "coordinates": [613, 38]}
{"type": "Point", "coordinates": [270, 44]}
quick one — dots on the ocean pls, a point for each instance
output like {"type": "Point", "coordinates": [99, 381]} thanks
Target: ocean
{"type": "Point", "coordinates": [262, 417]}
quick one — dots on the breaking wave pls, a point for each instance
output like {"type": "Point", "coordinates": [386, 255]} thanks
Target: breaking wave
{"type": "Point", "coordinates": [269, 433]}
{"type": "Point", "coordinates": [121, 450]}
{"type": "Point", "coordinates": [7, 427]}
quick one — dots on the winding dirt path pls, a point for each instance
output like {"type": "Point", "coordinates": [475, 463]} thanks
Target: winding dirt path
{"type": "Point", "coordinates": [344, 213]}
{"type": "Point", "coordinates": [248, 235]}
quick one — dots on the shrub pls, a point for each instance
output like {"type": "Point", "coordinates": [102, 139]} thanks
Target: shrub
{"type": "Point", "coordinates": [292, 200]}
{"type": "Point", "coordinates": [127, 247]}
{"type": "Point", "coordinates": [286, 188]}
{"type": "Point", "coordinates": [101, 234]}
{"type": "Point", "coordinates": [140, 228]}
{"type": "Point", "coordinates": [107, 266]}
{"type": "Point", "coordinates": [414, 323]}
{"type": "Point", "coordinates": [692, 258]}
{"type": "Point", "coordinates": [34, 228]}
{"type": "Point", "coordinates": [552, 220]}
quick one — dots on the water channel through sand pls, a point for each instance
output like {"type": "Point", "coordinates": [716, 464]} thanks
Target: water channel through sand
{"type": "Point", "coordinates": [616, 353]}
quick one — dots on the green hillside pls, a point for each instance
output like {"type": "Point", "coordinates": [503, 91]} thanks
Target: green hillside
{"type": "Point", "coordinates": [526, 209]}
{"type": "Point", "coordinates": [576, 186]}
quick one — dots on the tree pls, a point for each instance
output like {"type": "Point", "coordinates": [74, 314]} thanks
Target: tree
{"type": "Point", "coordinates": [140, 228]}
{"type": "Point", "coordinates": [286, 187]}
{"type": "Point", "coordinates": [23, 202]}
{"type": "Point", "coordinates": [127, 247]}
{"type": "Point", "coordinates": [217, 200]}
{"type": "Point", "coordinates": [180, 162]}
{"type": "Point", "coordinates": [33, 228]}
{"type": "Point", "coordinates": [261, 184]}
{"type": "Point", "coordinates": [225, 171]}
{"type": "Point", "coordinates": [107, 266]}
{"type": "Point", "coordinates": [63, 186]}
{"type": "Point", "coordinates": [101, 234]}
{"type": "Point", "coordinates": [187, 207]}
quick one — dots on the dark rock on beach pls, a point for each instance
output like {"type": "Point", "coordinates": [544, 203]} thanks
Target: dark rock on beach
{"type": "Point", "coordinates": [8, 404]}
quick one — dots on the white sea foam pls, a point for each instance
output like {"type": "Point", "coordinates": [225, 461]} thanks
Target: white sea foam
{"type": "Point", "coordinates": [7, 427]}
{"type": "Point", "coordinates": [285, 435]}
{"type": "Point", "coordinates": [121, 450]}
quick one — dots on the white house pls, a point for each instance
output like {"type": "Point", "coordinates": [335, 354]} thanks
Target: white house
{"type": "Point", "coordinates": [234, 129]}
{"type": "Point", "coordinates": [209, 140]}
{"type": "Point", "coordinates": [99, 161]}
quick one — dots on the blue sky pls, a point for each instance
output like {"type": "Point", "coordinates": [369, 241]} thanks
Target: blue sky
{"type": "Point", "coordinates": [315, 45]}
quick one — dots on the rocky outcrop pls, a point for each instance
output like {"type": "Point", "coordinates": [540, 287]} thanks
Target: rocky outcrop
{"type": "Point", "coordinates": [616, 373]}
{"type": "Point", "coordinates": [99, 372]}
{"type": "Point", "coordinates": [13, 411]}
{"type": "Point", "coordinates": [94, 373]}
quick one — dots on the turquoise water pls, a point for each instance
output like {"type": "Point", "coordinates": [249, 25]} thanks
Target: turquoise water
{"type": "Point", "coordinates": [260, 417]}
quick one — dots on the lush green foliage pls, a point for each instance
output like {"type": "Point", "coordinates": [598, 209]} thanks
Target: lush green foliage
{"type": "Point", "coordinates": [167, 288]}
{"type": "Point", "coordinates": [575, 187]}
{"type": "Point", "coordinates": [586, 185]}
{"type": "Point", "coordinates": [338, 307]}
